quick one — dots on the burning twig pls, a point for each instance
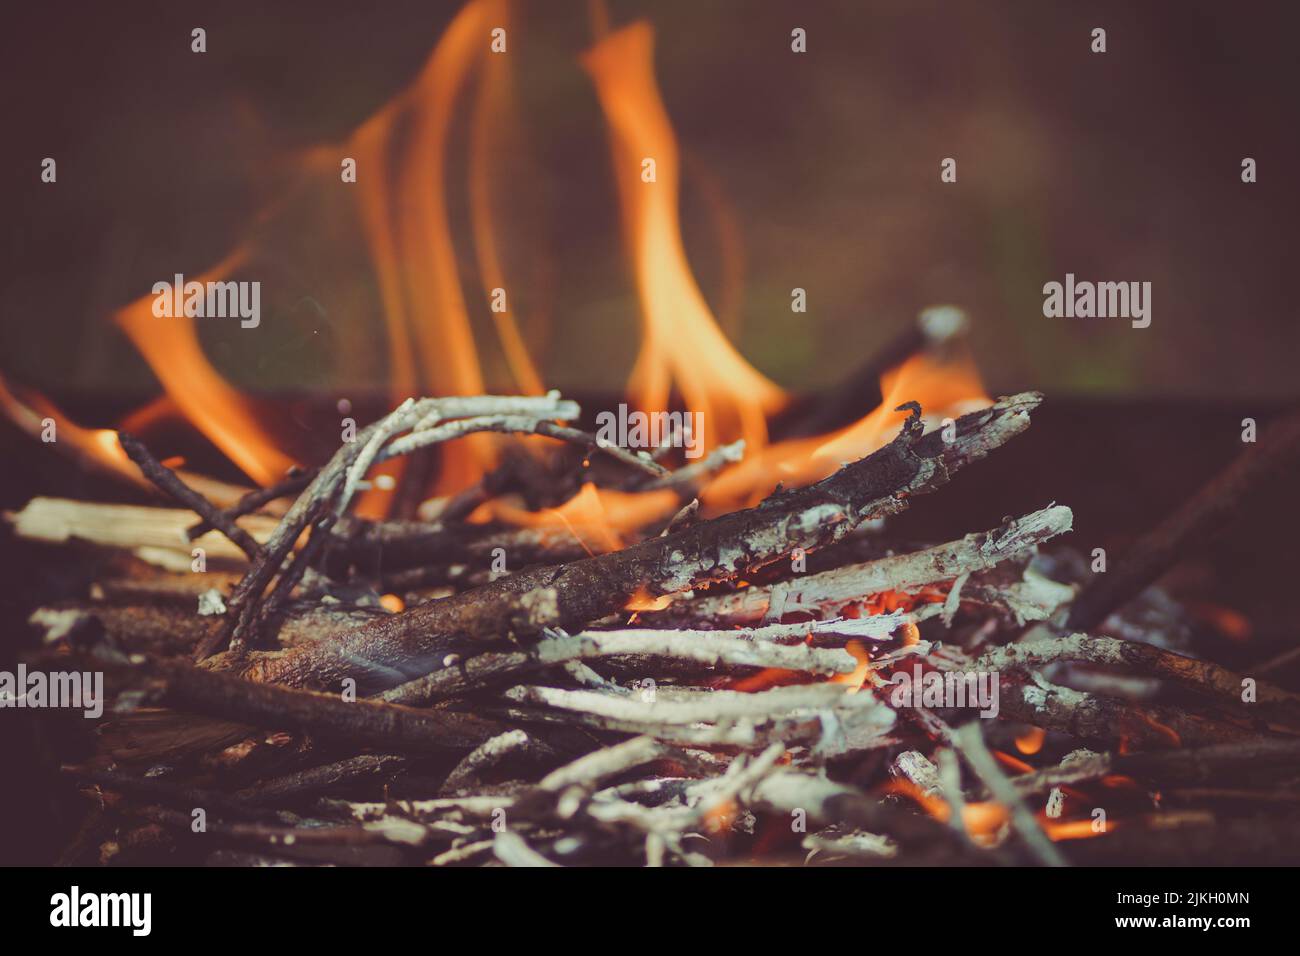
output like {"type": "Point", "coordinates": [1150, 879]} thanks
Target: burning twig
{"type": "Point", "coordinates": [933, 330]}
{"type": "Point", "coordinates": [333, 486]}
{"type": "Point", "coordinates": [969, 741]}
{"type": "Point", "coordinates": [413, 642]}
{"type": "Point", "coordinates": [638, 460]}
{"type": "Point", "coordinates": [689, 479]}
{"type": "Point", "coordinates": [1090, 717]}
{"type": "Point", "coordinates": [830, 590]}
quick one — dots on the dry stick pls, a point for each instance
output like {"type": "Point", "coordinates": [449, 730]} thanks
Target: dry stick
{"type": "Point", "coordinates": [703, 798]}
{"type": "Point", "coordinates": [414, 642]}
{"type": "Point", "coordinates": [829, 802]}
{"type": "Point", "coordinates": [527, 424]}
{"type": "Point", "coordinates": [166, 480]}
{"type": "Point", "coordinates": [1040, 647]}
{"type": "Point", "coordinates": [253, 802]}
{"type": "Point", "coordinates": [290, 577]}
{"type": "Point", "coordinates": [483, 757]}
{"type": "Point", "coordinates": [1077, 767]}
{"type": "Point", "coordinates": [716, 707]}
{"type": "Point", "coordinates": [513, 850]}
{"type": "Point", "coordinates": [1267, 761]}
{"type": "Point", "coordinates": [347, 468]}
{"type": "Point", "coordinates": [296, 481]}
{"type": "Point", "coordinates": [707, 647]}
{"type": "Point", "coordinates": [577, 437]}
{"type": "Point", "coordinates": [169, 792]}
{"type": "Point", "coordinates": [390, 831]}
{"type": "Point", "coordinates": [242, 608]}
{"type": "Point", "coordinates": [138, 528]}
{"type": "Point", "coordinates": [1090, 717]}
{"type": "Point", "coordinates": [431, 551]}
{"type": "Point", "coordinates": [591, 769]}
{"type": "Point", "coordinates": [969, 742]}
{"type": "Point", "coordinates": [903, 572]}
{"type": "Point", "coordinates": [689, 479]}
{"type": "Point", "coordinates": [314, 780]}
{"type": "Point", "coordinates": [949, 773]}
{"type": "Point", "coordinates": [1190, 525]}
{"type": "Point", "coordinates": [372, 723]}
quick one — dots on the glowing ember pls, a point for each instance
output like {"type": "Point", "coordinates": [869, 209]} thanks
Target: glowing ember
{"type": "Point", "coordinates": [858, 676]}
{"type": "Point", "coordinates": [981, 820]}
{"type": "Point", "coordinates": [1012, 763]}
{"type": "Point", "coordinates": [643, 600]}
{"type": "Point", "coordinates": [1031, 741]}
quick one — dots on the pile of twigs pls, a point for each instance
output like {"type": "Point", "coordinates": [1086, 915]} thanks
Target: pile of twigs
{"type": "Point", "coordinates": [724, 688]}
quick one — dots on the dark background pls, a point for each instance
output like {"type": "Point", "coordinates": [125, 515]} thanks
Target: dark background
{"type": "Point", "coordinates": [818, 170]}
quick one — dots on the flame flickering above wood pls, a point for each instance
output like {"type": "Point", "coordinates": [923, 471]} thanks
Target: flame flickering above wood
{"type": "Point", "coordinates": [474, 609]}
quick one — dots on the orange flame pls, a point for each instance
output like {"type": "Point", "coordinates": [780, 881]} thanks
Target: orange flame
{"type": "Point", "coordinates": [643, 600]}
{"type": "Point", "coordinates": [171, 347]}
{"type": "Point", "coordinates": [1012, 763]}
{"type": "Point", "coordinates": [594, 516]}
{"type": "Point", "coordinates": [857, 677]}
{"type": "Point", "coordinates": [96, 448]}
{"type": "Point", "coordinates": [944, 389]}
{"type": "Point", "coordinates": [1031, 741]}
{"type": "Point", "coordinates": [402, 163]}
{"type": "Point", "coordinates": [981, 820]}
{"type": "Point", "coordinates": [430, 340]}
{"type": "Point", "coordinates": [494, 97]}
{"type": "Point", "coordinates": [681, 345]}
{"type": "Point", "coordinates": [1076, 829]}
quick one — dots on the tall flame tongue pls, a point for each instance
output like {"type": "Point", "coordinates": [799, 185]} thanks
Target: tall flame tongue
{"type": "Point", "coordinates": [171, 347]}
{"type": "Point", "coordinates": [493, 103]}
{"type": "Point", "coordinates": [401, 154]}
{"type": "Point", "coordinates": [681, 344]}
{"type": "Point", "coordinates": [415, 258]}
